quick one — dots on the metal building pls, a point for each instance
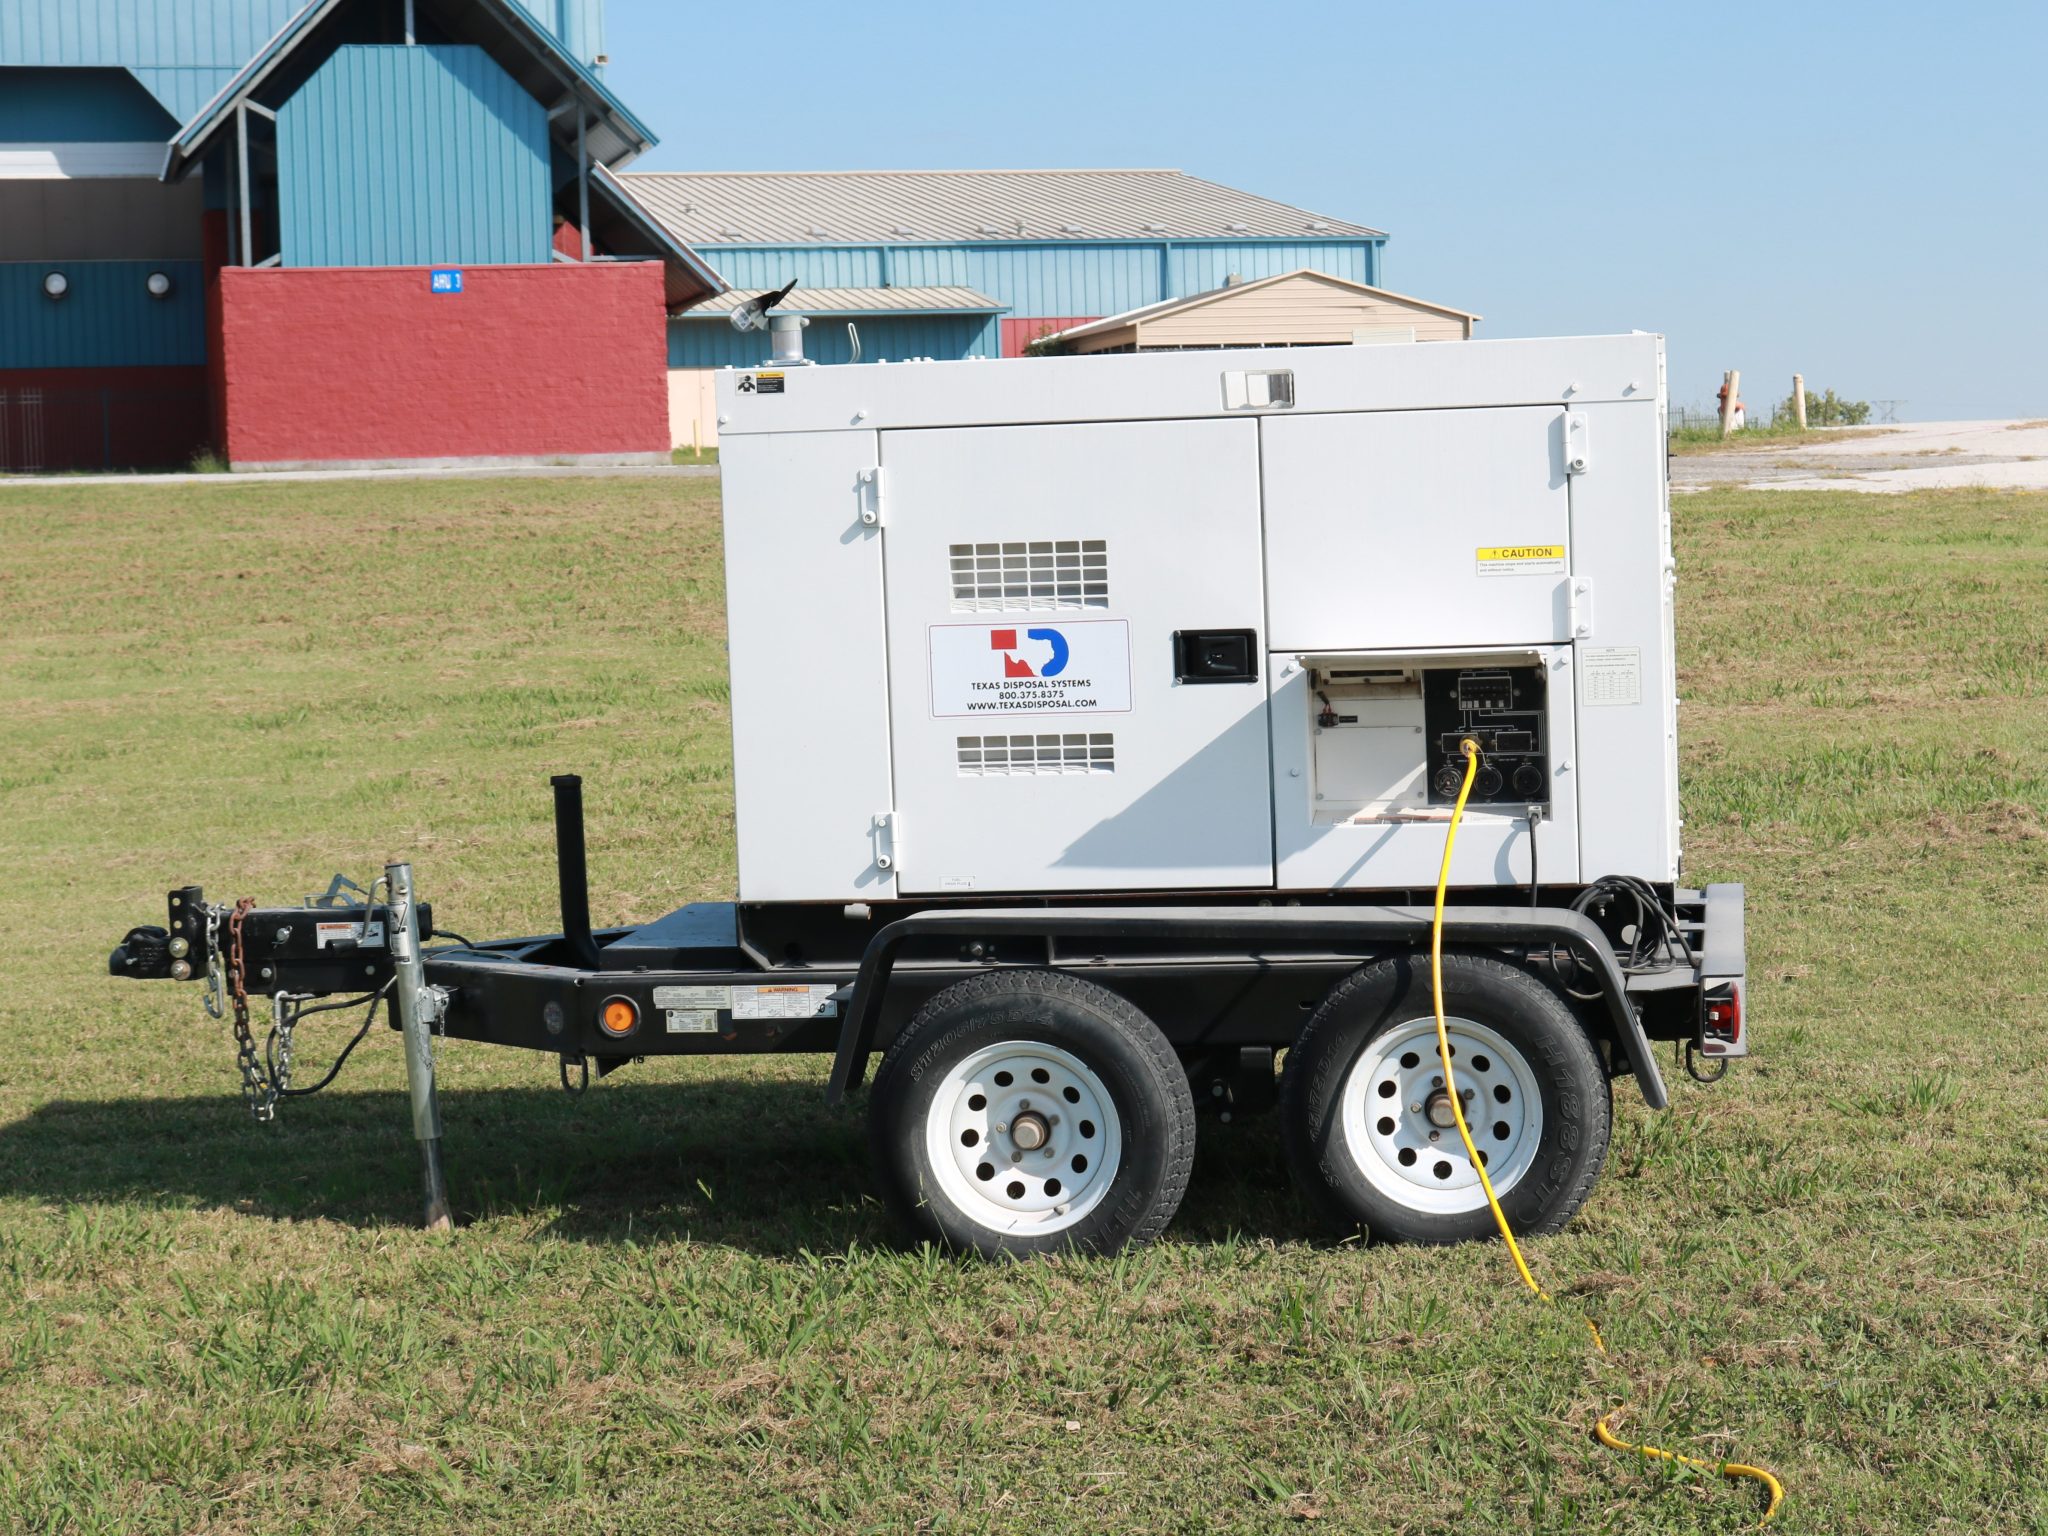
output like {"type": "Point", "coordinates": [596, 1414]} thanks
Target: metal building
{"type": "Point", "coordinates": [321, 231]}
{"type": "Point", "coordinates": [1041, 250]}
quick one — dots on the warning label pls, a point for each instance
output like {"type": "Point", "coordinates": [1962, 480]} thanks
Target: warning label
{"type": "Point", "coordinates": [359, 935]}
{"type": "Point", "coordinates": [1080, 667]}
{"type": "Point", "coordinates": [1519, 559]}
{"type": "Point", "coordinates": [784, 1003]}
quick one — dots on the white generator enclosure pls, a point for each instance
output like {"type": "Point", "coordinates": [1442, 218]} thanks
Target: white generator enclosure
{"type": "Point", "coordinates": [1201, 621]}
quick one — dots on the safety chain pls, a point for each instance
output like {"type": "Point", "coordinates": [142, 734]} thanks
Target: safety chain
{"type": "Point", "coordinates": [261, 1086]}
{"type": "Point", "coordinates": [216, 972]}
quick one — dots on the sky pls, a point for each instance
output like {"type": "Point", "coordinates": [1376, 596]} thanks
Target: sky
{"type": "Point", "coordinates": [1857, 192]}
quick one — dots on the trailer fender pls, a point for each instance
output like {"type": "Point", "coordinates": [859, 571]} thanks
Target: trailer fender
{"type": "Point", "coordinates": [1247, 926]}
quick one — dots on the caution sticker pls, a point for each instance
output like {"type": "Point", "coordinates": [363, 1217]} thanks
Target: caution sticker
{"type": "Point", "coordinates": [359, 935]}
{"type": "Point", "coordinates": [798, 1002]}
{"type": "Point", "coordinates": [1519, 559]}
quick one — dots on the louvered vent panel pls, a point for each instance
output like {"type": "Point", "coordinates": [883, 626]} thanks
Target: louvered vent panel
{"type": "Point", "coordinates": [1009, 756]}
{"type": "Point", "coordinates": [1030, 576]}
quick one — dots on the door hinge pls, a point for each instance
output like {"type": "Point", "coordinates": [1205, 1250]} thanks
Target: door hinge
{"type": "Point", "coordinates": [1579, 601]}
{"type": "Point", "coordinates": [871, 497]}
{"type": "Point", "coordinates": [888, 835]}
{"type": "Point", "coordinates": [1575, 451]}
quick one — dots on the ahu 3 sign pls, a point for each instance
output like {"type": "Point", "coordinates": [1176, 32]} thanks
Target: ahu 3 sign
{"type": "Point", "coordinates": [1024, 668]}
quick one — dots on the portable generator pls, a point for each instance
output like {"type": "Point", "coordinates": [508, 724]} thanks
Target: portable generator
{"type": "Point", "coordinates": [1096, 726]}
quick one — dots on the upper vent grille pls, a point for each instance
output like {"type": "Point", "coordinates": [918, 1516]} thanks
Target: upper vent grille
{"type": "Point", "coordinates": [1034, 576]}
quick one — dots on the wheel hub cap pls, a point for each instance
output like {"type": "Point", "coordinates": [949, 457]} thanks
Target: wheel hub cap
{"type": "Point", "coordinates": [1396, 1109]}
{"type": "Point", "coordinates": [1437, 1110]}
{"type": "Point", "coordinates": [1023, 1137]}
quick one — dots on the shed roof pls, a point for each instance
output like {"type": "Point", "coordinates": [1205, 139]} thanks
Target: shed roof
{"type": "Point", "coordinates": [877, 301]}
{"type": "Point", "coordinates": [1164, 307]}
{"type": "Point", "coordinates": [967, 207]}
{"type": "Point", "coordinates": [623, 226]}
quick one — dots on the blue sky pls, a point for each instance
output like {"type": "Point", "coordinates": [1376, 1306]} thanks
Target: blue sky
{"type": "Point", "coordinates": [1859, 192]}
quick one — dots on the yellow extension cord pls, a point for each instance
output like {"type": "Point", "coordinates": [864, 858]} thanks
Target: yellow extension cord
{"type": "Point", "coordinates": [1606, 1435]}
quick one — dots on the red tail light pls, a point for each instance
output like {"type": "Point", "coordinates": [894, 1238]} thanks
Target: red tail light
{"type": "Point", "coordinates": [1721, 1020]}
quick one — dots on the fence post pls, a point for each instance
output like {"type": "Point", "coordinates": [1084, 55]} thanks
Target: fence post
{"type": "Point", "coordinates": [1730, 382]}
{"type": "Point", "coordinates": [1799, 400]}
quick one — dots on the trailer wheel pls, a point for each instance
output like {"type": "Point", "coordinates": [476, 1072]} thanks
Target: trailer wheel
{"type": "Point", "coordinates": [1028, 1111]}
{"type": "Point", "coordinates": [1367, 1121]}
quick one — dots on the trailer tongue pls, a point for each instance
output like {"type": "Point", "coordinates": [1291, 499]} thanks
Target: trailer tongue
{"type": "Point", "coordinates": [1096, 730]}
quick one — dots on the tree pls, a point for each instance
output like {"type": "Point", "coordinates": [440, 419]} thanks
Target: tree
{"type": "Point", "coordinates": [1828, 410]}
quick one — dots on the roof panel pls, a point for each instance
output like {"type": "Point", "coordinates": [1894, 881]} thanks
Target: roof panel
{"type": "Point", "coordinates": [874, 301]}
{"type": "Point", "coordinates": [622, 225]}
{"type": "Point", "coordinates": [952, 207]}
{"type": "Point", "coordinates": [505, 29]}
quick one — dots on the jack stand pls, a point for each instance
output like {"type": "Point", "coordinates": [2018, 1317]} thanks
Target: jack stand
{"type": "Point", "coordinates": [419, 1005]}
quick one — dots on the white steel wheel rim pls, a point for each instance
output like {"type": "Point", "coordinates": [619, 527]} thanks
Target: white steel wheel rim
{"type": "Point", "coordinates": [1387, 1134]}
{"type": "Point", "coordinates": [986, 1113]}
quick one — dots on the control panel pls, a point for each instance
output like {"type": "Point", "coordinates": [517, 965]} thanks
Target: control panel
{"type": "Point", "coordinates": [1501, 708]}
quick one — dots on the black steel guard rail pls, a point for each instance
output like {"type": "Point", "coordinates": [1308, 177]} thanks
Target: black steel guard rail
{"type": "Point", "coordinates": [1245, 925]}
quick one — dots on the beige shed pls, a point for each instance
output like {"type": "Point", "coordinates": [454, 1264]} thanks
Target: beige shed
{"type": "Point", "coordinates": [1301, 308]}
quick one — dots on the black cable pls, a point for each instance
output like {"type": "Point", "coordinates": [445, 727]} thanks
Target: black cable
{"type": "Point", "coordinates": [1534, 886]}
{"type": "Point", "coordinates": [342, 1060]}
{"type": "Point", "coordinates": [443, 933]}
{"type": "Point", "coordinates": [1656, 925]}
{"type": "Point", "coordinates": [270, 1044]}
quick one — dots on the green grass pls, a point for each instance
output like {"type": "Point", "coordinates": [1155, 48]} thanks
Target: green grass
{"type": "Point", "coordinates": [1759, 434]}
{"type": "Point", "coordinates": [701, 456]}
{"type": "Point", "coordinates": [673, 1306]}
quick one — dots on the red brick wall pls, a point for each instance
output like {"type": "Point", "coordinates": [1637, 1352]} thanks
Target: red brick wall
{"type": "Point", "coordinates": [1019, 334]}
{"type": "Point", "coordinates": [370, 363]}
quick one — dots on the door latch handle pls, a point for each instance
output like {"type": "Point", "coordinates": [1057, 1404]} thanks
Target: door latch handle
{"type": "Point", "coordinates": [1216, 656]}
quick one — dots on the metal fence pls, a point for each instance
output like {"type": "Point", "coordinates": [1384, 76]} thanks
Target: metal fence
{"type": "Point", "coordinates": [107, 428]}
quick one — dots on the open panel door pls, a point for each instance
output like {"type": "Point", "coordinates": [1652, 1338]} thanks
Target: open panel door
{"type": "Point", "coordinates": [1076, 625]}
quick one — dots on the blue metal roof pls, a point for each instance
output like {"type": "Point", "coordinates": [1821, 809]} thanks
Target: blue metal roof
{"type": "Point", "coordinates": [498, 26]}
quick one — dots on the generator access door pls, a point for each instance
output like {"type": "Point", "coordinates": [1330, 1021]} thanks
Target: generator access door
{"type": "Point", "coordinates": [1076, 630]}
{"type": "Point", "coordinates": [1392, 530]}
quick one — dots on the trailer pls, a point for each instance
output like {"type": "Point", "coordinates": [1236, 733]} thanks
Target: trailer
{"type": "Point", "coordinates": [1096, 728]}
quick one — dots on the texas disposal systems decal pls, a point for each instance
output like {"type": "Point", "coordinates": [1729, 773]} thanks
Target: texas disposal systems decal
{"type": "Point", "coordinates": [1081, 667]}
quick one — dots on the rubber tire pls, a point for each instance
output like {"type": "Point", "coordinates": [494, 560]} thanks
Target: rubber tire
{"type": "Point", "coordinates": [1578, 1109]}
{"type": "Point", "coordinates": [1125, 1049]}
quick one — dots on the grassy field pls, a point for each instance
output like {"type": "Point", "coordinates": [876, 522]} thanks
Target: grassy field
{"type": "Point", "coordinates": [672, 1305]}
{"type": "Point", "coordinates": [1758, 434]}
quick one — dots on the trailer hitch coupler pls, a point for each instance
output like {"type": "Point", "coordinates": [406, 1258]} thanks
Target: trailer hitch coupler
{"type": "Point", "coordinates": [571, 871]}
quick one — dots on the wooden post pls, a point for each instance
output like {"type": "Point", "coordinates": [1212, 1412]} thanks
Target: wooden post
{"type": "Point", "coordinates": [1731, 381]}
{"type": "Point", "coordinates": [1799, 400]}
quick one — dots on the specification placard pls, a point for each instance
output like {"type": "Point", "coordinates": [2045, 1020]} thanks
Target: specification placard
{"type": "Point", "coordinates": [1611, 674]}
{"type": "Point", "coordinates": [780, 1001]}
